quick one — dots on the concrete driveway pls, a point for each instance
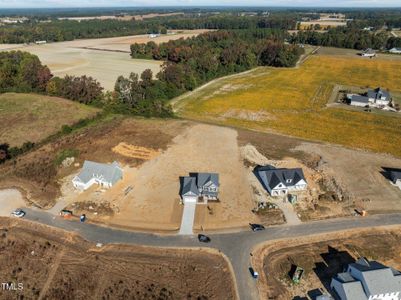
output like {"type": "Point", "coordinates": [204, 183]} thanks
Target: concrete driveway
{"type": "Point", "coordinates": [188, 217]}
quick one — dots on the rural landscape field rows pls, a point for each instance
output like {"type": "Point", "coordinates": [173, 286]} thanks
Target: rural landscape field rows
{"type": "Point", "coordinates": [293, 102]}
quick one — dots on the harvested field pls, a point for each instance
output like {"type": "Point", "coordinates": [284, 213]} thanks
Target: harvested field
{"type": "Point", "coordinates": [34, 117]}
{"type": "Point", "coordinates": [104, 59]}
{"type": "Point", "coordinates": [295, 101]}
{"type": "Point", "coordinates": [321, 257]}
{"type": "Point", "coordinates": [53, 264]}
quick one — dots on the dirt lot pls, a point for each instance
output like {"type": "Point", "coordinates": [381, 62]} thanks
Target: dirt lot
{"type": "Point", "coordinates": [39, 178]}
{"type": "Point", "coordinates": [47, 114]}
{"type": "Point", "coordinates": [321, 257]}
{"type": "Point", "coordinates": [154, 201]}
{"type": "Point", "coordinates": [360, 175]}
{"type": "Point", "coordinates": [53, 264]}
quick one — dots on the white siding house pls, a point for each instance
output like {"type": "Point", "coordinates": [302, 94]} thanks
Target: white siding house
{"type": "Point", "coordinates": [281, 181]}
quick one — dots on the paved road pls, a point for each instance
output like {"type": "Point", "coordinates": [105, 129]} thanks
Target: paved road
{"type": "Point", "coordinates": [236, 246]}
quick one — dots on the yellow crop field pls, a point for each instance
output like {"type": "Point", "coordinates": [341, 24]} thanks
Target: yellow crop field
{"type": "Point", "coordinates": [293, 101]}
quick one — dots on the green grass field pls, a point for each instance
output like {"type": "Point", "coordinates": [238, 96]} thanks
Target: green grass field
{"type": "Point", "coordinates": [32, 117]}
{"type": "Point", "coordinates": [293, 102]}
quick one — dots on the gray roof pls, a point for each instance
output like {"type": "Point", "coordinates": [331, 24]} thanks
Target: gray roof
{"type": "Point", "coordinates": [189, 187]}
{"type": "Point", "coordinates": [354, 291]}
{"type": "Point", "coordinates": [369, 51]}
{"type": "Point", "coordinates": [395, 49]}
{"type": "Point", "coordinates": [359, 98]}
{"type": "Point", "coordinates": [394, 175]}
{"type": "Point", "coordinates": [204, 178]}
{"type": "Point", "coordinates": [374, 279]}
{"type": "Point", "coordinates": [106, 172]}
{"type": "Point", "coordinates": [271, 177]}
{"type": "Point", "coordinates": [378, 94]}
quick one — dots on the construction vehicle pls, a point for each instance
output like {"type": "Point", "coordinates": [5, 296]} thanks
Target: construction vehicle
{"type": "Point", "coordinates": [297, 275]}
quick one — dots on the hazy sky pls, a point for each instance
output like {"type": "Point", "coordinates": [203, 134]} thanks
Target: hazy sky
{"type": "Point", "coordinates": [98, 3]}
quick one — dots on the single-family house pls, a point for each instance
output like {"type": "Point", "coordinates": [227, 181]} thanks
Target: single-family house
{"type": "Point", "coordinates": [200, 187]}
{"type": "Point", "coordinates": [395, 177]}
{"type": "Point", "coordinates": [105, 175]}
{"type": "Point", "coordinates": [395, 50]}
{"type": "Point", "coordinates": [379, 96]}
{"type": "Point", "coordinates": [281, 181]}
{"type": "Point", "coordinates": [376, 97]}
{"type": "Point", "coordinates": [368, 53]}
{"type": "Point", "coordinates": [365, 280]}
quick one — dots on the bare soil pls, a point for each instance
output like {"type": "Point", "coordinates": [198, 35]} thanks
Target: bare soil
{"type": "Point", "coordinates": [37, 176]}
{"type": "Point", "coordinates": [321, 257]}
{"type": "Point", "coordinates": [359, 175]}
{"type": "Point", "coordinates": [53, 264]}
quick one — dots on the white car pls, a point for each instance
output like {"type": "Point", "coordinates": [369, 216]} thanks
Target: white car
{"type": "Point", "coordinates": [19, 213]}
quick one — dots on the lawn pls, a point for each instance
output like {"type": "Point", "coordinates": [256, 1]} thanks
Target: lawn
{"type": "Point", "coordinates": [293, 101]}
{"type": "Point", "coordinates": [32, 117]}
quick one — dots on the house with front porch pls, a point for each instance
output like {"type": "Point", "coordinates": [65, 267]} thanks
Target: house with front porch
{"type": "Point", "coordinates": [279, 182]}
{"type": "Point", "coordinates": [200, 188]}
{"type": "Point", "coordinates": [104, 175]}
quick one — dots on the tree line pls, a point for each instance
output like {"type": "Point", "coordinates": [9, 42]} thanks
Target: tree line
{"type": "Point", "coordinates": [345, 37]}
{"type": "Point", "coordinates": [192, 62]}
{"type": "Point", "coordinates": [66, 30]}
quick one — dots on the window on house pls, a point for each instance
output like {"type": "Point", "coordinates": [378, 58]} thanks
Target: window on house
{"type": "Point", "coordinates": [289, 180]}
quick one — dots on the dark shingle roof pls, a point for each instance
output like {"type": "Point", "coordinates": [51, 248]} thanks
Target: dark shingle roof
{"type": "Point", "coordinates": [378, 94]}
{"type": "Point", "coordinates": [359, 98]}
{"type": "Point", "coordinates": [272, 177]}
{"type": "Point", "coordinates": [204, 178]}
{"type": "Point", "coordinates": [189, 187]}
{"type": "Point", "coordinates": [394, 175]}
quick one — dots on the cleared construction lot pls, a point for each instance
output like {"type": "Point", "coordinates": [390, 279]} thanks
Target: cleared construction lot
{"type": "Point", "coordinates": [54, 264]}
{"type": "Point", "coordinates": [155, 153]}
{"type": "Point", "coordinates": [321, 257]}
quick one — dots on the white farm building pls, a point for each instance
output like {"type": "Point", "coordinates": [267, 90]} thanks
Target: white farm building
{"type": "Point", "coordinates": [105, 175]}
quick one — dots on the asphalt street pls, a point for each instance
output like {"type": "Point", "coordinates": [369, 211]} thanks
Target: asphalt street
{"type": "Point", "coordinates": [237, 246]}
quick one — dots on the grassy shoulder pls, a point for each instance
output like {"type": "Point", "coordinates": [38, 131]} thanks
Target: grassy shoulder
{"type": "Point", "coordinates": [33, 117]}
{"type": "Point", "coordinates": [293, 101]}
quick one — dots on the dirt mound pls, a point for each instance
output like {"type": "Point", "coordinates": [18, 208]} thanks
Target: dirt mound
{"type": "Point", "coordinates": [135, 151]}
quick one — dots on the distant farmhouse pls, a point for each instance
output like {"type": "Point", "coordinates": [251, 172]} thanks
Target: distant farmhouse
{"type": "Point", "coordinates": [105, 175]}
{"type": "Point", "coordinates": [281, 181]}
{"type": "Point", "coordinates": [368, 53]}
{"type": "Point", "coordinates": [395, 50]}
{"type": "Point", "coordinates": [376, 98]}
{"type": "Point", "coordinates": [395, 177]}
{"type": "Point", "coordinates": [365, 280]}
{"type": "Point", "coordinates": [200, 188]}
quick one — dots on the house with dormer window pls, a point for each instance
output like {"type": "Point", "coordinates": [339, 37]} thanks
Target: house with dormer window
{"type": "Point", "coordinates": [200, 187]}
{"type": "Point", "coordinates": [281, 181]}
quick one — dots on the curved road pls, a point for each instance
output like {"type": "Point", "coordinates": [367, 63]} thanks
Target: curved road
{"type": "Point", "coordinates": [236, 246]}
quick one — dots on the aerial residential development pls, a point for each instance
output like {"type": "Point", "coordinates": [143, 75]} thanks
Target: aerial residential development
{"type": "Point", "coordinates": [199, 150]}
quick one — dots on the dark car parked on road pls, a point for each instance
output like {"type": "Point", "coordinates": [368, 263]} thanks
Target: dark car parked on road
{"type": "Point", "coordinates": [203, 238]}
{"type": "Point", "coordinates": [256, 227]}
